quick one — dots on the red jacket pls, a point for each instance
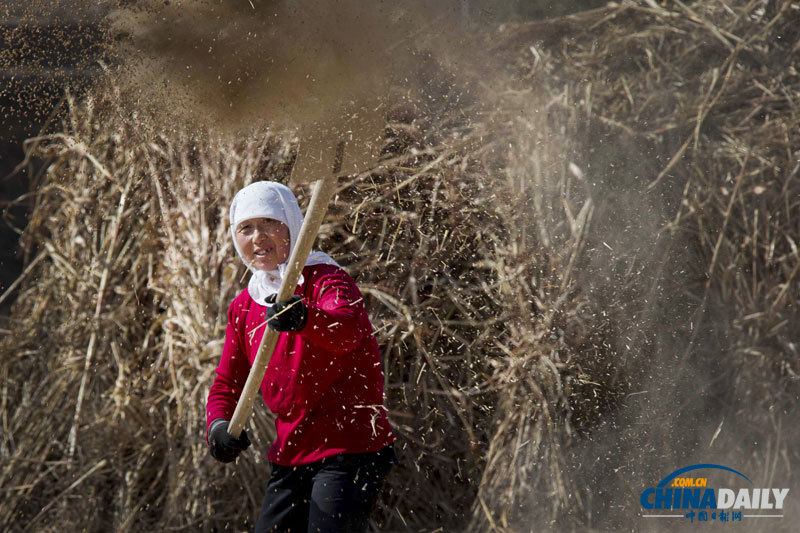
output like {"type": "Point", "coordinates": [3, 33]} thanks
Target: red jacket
{"type": "Point", "coordinates": [324, 383]}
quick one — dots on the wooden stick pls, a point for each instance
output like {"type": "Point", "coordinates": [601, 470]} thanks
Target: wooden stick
{"type": "Point", "coordinates": [308, 233]}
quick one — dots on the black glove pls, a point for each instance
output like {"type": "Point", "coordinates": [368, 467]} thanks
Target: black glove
{"type": "Point", "coordinates": [222, 446]}
{"type": "Point", "coordinates": [293, 317]}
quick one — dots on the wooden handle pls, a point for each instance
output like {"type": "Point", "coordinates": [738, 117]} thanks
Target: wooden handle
{"type": "Point", "coordinates": [308, 233]}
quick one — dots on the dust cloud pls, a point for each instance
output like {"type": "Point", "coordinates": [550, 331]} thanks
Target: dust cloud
{"type": "Point", "coordinates": [322, 69]}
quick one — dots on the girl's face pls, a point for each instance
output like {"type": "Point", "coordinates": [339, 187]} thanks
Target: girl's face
{"type": "Point", "coordinates": [264, 242]}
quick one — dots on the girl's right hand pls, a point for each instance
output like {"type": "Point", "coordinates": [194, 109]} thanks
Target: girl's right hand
{"type": "Point", "coordinates": [222, 446]}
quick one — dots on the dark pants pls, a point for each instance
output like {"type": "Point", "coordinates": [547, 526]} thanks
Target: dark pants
{"type": "Point", "coordinates": [335, 494]}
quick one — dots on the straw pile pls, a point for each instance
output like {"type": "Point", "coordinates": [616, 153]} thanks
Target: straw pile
{"type": "Point", "coordinates": [547, 273]}
{"type": "Point", "coordinates": [685, 121]}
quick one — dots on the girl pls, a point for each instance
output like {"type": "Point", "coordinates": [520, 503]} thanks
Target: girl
{"type": "Point", "coordinates": [324, 381]}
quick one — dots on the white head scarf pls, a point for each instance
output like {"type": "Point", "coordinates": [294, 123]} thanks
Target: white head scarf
{"type": "Point", "coordinates": [268, 199]}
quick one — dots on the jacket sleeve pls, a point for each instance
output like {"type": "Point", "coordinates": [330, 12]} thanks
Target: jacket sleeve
{"type": "Point", "coordinates": [337, 320]}
{"type": "Point", "coordinates": [232, 373]}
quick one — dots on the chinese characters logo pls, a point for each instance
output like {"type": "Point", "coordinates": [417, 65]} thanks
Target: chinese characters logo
{"type": "Point", "coordinates": [691, 498]}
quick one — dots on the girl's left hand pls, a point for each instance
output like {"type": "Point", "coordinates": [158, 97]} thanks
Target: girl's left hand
{"type": "Point", "coordinates": [286, 316]}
